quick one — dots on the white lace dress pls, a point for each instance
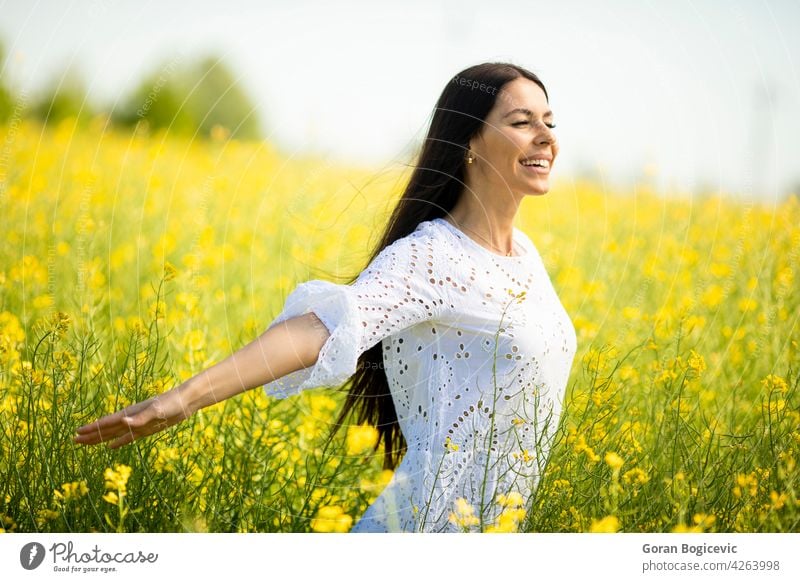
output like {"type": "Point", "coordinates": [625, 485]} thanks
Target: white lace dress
{"type": "Point", "coordinates": [464, 359]}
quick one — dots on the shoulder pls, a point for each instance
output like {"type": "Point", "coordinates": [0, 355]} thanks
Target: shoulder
{"type": "Point", "coordinates": [526, 241]}
{"type": "Point", "coordinates": [420, 254]}
{"type": "Point", "coordinates": [533, 250]}
{"type": "Point", "coordinates": [427, 232]}
{"type": "Point", "coordinates": [422, 243]}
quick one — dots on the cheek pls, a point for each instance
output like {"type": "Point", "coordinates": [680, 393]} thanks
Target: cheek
{"type": "Point", "coordinates": [504, 154]}
{"type": "Point", "coordinates": [514, 148]}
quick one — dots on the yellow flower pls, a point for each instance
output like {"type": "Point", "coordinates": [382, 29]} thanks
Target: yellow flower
{"type": "Point", "coordinates": [747, 304]}
{"type": "Point", "coordinates": [513, 499]}
{"type": "Point", "coordinates": [45, 515]}
{"type": "Point", "coordinates": [166, 460]}
{"type": "Point", "coordinates": [507, 521]}
{"type": "Point", "coordinates": [450, 445]}
{"type": "Point", "coordinates": [512, 515]}
{"type": "Point", "coordinates": [720, 270]}
{"type": "Point", "coordinates": [117, 478]}
{"type": "Point", "coordinates": [703, 520]}
{"type": "Point", "coordinates": [609, 524]}
{"type": "Point", "coordinates": [614, 460]}
{"type": "Point", "coordinates": [635, 475]}
{"type": "Point", "coordinates": [7, 523]}
{"type": "Point", "coordinates": [70, 491]}
{"type": "Point", "coordinates": [683, 528]}
{"type": "Point", "coordinates": [778, 500]}
{"type": "Point", "coordinates": [774, 406]}
{"type": "Point", "coordinates": [713, 296]}
{"type": "Point", "coordinates": [111, 497]}
{"type": "Point", "coordinates": [695, 322]}
{"type": "Point", "coordinates": [773, 382]}
{"type": "Point", "coordinates": [331, 519]}
{"type": "Point", "coordinates": [464, 514]}
{"type": "Point", "coordinates": [169, 271]}
{"type": "Point", "coordinates": [463, 506]}
{"type": "Point", "coordinates": [310, 429]}
{"type": "Point", "coordinates": [322, 406]}
{"type": "Point", "coordinates": [746, 482]}
{"type": "Point", "coordinates": [526, 456]}
{"type": "Point", "coordinates": [60, 322]}
{"type": "Point", "coordinates": [628, 372]}
{"type": "Point", "coordinates": [696, 362]}
{"type": "Point", "coordinates": [382, 481]}
{"type": "Point", "coordinates": [599, 360]}
{"type": "Point", "coordinates": [562, 485]}
{"type": "Point", "coordinates": [582, 447]}
{"type": "Point", "coordinates": [189, 301]}
{"type": "Point", "coordinates": [520, 296]}
{"type": "Point", "coordinates": [666, 375]}
{"type": "Point", "coordinates": [195, 340]}
{"type": "Point", "coordinates": [361, 439]}
{"type": "Point", "coordinates": [784, 278]}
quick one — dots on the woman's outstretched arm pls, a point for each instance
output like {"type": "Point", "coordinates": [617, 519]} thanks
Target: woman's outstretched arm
{"type": "Point", "coordinates": [283, 348]}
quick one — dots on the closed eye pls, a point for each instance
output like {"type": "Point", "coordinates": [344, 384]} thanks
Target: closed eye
{"type": "Point", "coordinates": [550, 125]}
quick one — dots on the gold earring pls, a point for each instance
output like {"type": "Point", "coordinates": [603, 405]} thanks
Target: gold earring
{"type": "Point", "coordinates": [469, 158]}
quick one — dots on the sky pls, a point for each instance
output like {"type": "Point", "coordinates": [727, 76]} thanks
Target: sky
{"type": "Point", "coordinates": [684, 95]}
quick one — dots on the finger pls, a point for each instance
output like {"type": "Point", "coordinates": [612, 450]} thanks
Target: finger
{"type": "Point", "coordinates": [139, 427]}
{"type": "Point", "coordinates": [100, 435]}
{"type": "Point", "coordinates": [124, 440]}
{"type": "Point", "coordinates": [93, 426]}
{"type": "Point", "coordinates": [130, 434]}
{"type": "Point", "coordinates": [104, 423]}
{"type": "Point", "coordinates": [97, 438]}
{"type": "Point", "coordinates": [110, 420]}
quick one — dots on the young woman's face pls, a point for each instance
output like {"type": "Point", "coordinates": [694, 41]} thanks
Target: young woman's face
{"type": "Point", "coordinates": [512, 135]}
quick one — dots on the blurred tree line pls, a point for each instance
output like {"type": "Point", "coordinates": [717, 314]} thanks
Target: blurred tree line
{"type": "Point", "coordinates": [197, 98]}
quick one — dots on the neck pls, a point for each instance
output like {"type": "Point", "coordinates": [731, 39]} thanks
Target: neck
{"type": "Point", "coordinates": [495, 227]}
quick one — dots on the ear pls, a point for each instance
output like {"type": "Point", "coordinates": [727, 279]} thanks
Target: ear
{"type": "Point", "coordinates": [476, 141]}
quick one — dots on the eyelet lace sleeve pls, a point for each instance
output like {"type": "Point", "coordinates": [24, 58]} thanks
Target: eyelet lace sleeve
{"type": "Point", "coordinates": [400, 288]}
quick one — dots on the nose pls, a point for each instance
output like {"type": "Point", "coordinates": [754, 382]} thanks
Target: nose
{"type": "Point", "coordinates": [544, 135]}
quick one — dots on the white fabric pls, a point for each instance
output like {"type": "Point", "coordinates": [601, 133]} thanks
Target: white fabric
{"type": "Point", "coordinates": [440, 304]}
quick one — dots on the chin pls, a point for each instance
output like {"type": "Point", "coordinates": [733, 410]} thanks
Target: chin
{"type": "Point", "coordinates": [538, 190]}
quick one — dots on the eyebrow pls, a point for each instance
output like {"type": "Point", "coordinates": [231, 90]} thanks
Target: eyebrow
{"type": "Point", "coordinates": [528, 112]}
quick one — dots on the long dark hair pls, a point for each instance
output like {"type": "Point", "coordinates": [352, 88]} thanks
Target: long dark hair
{"type": "Point", "coordinates": [432, 191]}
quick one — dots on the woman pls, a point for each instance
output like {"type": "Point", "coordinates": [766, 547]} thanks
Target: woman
{"type": "Point", "coordinates": [457, 344]}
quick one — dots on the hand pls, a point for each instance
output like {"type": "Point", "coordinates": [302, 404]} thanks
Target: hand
{"type": "Point", "coordinates": [138, 420]}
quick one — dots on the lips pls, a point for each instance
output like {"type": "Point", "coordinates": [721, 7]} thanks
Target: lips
{"type": "Point", "coordinates": [536, 169]}
{"type": "Point", "coordinates": [547, 157]}
{"type": "Point", "coordinates": [542, 167]}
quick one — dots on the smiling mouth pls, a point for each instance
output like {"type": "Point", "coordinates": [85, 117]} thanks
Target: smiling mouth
{"type": "Point", "coordinates": [536, 166]}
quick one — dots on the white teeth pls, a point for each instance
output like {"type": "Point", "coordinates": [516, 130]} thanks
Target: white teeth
{"type": "Point", "coordinates": [542, 163]}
